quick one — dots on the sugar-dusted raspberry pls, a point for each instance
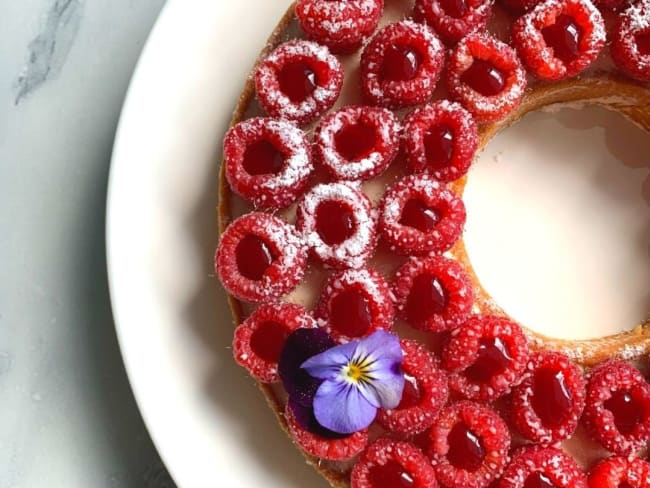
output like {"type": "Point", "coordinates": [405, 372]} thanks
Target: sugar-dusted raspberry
{"type": "Point", "coordinates": [268, 162]}
{"type": "Point", "coordinates": [425, 393]}
{"type": "Point", "coordinates": [440, 138]}
{"type": "Point", "coordinates": [543, 467]}
{"type": "Point", "coordinates": [620, 472]}
{"type": "Point", "coordinates": [433, 293]}
{"type": "Point", "coordinates": [559, 38]}
{"type": "Point", "coordinates": [401, 65]}
{"type": "Point", "coordinates": [469, 445]}
{"type": "Point", "coordinates": [298, 81]}
{"type": "Point", "coordinates": [486, 357]}
{"type": "Point", "coordinates": [341, 25]}
{"type": "Point", "coordinates": [547, 404]}
{"type": "Point", "coordinates": [355, 303]}
{"type": "Point", "coordinates": [260, 258]}
{"type": "Point", "coordinates": [486, 76]}
{"type": "Point", "coordinates": [520, 6]}
{"type": "Point", "coordinates": [388, 463]}
{"type": "Point", "coordinates": [322, 445]}
{"type": "Point", "coordinates": [617, 414]}
{"type": "Point", "coordinates": [357, 142]}
{"type": "Point", "coordinates": [453, 19]}
{"type": "Point", "coordinates": [260, 338]}
{"type": "Point", "coordinates": [631, 41]}
{"type": "Point", "coordinates": [419, 216]}
{"type": "Point", "coordinates": [338, 223]}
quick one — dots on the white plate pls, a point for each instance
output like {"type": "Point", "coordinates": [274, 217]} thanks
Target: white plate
{"type": "Point", "coordinates": [205, 415]}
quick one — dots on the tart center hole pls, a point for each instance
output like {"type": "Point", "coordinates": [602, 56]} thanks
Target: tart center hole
{"type": "Point", "coordinates": [297, 81]}
{"type": "Point", "coordinates": [564, 38]}
{"type": "Point", "coordinates": [355, 141]}
{"type": "Point", "coordinates": [268, 339]}
{"type": "Point", "coordinates": [558, 222]}
{"type": "Point", "coordinates": [390, 475]}
{"type": "Point", "coordinates": [350, 313]}
{"type": "Point", "coordinates": [253, 256]}
{"type": "Point", "coordinates": [262, 158]}
{"type": "Point", "coordinates": [466, 450]}
{"type": "Point", "coordinates": [401, 63]}
{"type": "Point", "coordinates": [539, 480]}
{"type": "Point", "coordinates": [335, 222]}
{"type": "Point", "coordinates": [482, 76]}
{"type": "Point", "coordinates": [643, 43]}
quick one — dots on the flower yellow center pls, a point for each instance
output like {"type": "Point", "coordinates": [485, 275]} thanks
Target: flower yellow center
{"type": "Point", "coordinates": [358, 370]}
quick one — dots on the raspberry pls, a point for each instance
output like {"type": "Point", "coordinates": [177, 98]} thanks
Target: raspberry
{"type": "Point", "coordinates": [468, 445]}
{"type": "Point", "coordinates": [440, 138]}
{"type": "Point", "coordinates": [401, 65]}
{"type": "Point", "coordinates": [453, 19]}
{"type": "Point", "coordinates": [617, 414]}
{"type": "Point", "coordinates": [619, 472]}
{"type": "Point", "coordinates": [425, 393]}
{"type": "Point", "coordinates": [419, 216]}
{"type": "Point", "coordinates": [631, 41]}
{"type": "Point", "coordinates": [338, 223]}
{"type": "Point", "coordinates": [268, 162]}
{"type": "Point", "coordinates": [341, 25]}
{"type": "Point", "coordinates": [486, 357]}
{"type": "Point", "coordinates": [538, 467]}
{"type": "Point", "coordinates": [333, 448]}
{"type": "Point", "coordinates": [559, 38]}
{"type": "Point", "coordinates": [547, 404]}
{"type": "Point", "coordinates": [298, 81]}
{"type": "Point", "coordinates": [388, 463]}
{"type": "Point", "coordinates": [433, 293]}
{"type": "Point", "coordinates": [260, 338]}
{"type": "Point", "coordinates": [355, 303]}
{"type": "Point", "coordinates": [520, 6]}
{"type": "Point", "coordinates": [260, 258]}
{"type": "Point", "coordinates": [356, 142]}
{"type": "Point", "coordinates": [486, 76]}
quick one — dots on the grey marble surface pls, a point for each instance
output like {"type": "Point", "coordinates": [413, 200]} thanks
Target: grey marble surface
{"type": "Point", "coordinates": [67, 414]}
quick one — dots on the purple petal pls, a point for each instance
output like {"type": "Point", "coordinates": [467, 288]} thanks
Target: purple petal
{"type": "Point", "coordinates": [305, 417]}
{"type": "Point", "coordinates": [386, 388]}
{"type": "Point", "coordinates": [381, 345]}
{"type": "Point", "coordinates": [300, 346]}
{"type": "Point", "coordinates": [340, 407]}
{"type": "Point", "coordinates": [327, 365]}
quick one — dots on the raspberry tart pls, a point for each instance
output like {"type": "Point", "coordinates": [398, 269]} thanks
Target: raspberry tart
{"type": "Point", "coordinates": [341, 215]}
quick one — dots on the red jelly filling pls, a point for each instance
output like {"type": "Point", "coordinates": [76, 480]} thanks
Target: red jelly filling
{"type": "Point", "coordinates": [465, 448]}
{"type": "Point", "coordinates": [253, 257]}
{"type": "Point", "coordinates": [552, 400]}
{"type": "Point", "coordinates": [493, 358]}
{"type": "Point", "coordinates": [334, 222]}
{"type": "Point", "coordinates": [564, 38]}
{"type": "Point", "coordinates": [401, 63]}
{"type": "Point", "coordinates": [485, 78]}
{"type": "Point", "coordinates": [262, 158]}
{"type": "Point", "coordinates": [417, 215]}
{"type": "Point", "coordinates": [297, 81]}
{"type": "Point", "coordinates": [268, 339]}
{"type": "Point", "coordinates": [439, 145]}
{"type": "Point", "coordinates": [350, 313]}
{"type": "Point", "coordinates": [427, 297]}
{"type": "Point", "coordinates": [643, 43]}
{"type": "Point", "coordinates": [355, 142]}
{"type": "Point", "coordinates": [454, 8]}
{"type": "Point", "coordinates": [538, 480]}
{"type": "Point", "coordinates": [390, 475]}
{"type": "Point", "coordinates": [627, 411]}
{"type": "Point", "coordinates": [411, 395]}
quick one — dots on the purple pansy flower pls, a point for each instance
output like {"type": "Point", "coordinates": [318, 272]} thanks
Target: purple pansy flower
{"type": "Point", "coordinates": [358, 378]}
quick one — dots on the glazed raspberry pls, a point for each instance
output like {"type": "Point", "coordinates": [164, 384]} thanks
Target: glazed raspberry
{"type": "Point", "coordinates": [392, 464]}
{"type": "Point", "coordinates": [631, 41]}
{"type": "Point", "coordinates": [355, 303]}
{"type": "Point", "coordinates": [559, 38]}
{"type": "Point", "coordinates": [425, 393]}
{"type": "Point", "coordinates": [453, 19]}
{"type": "Point", "coordinates": [260, 338]}
{"type": "Point", "coordinates": [340, 25]}
{"type": "Point", "coordinates": [486, 357]}
{"type": "Point", "coordinates": [333, 448]}
{"type": "Point", "coordinates": [433, 293]}
{"type": "Point", "coordinates": [468, 445]}
{"type": "Point", "coordinates": [538, 467]}
{"type": "Point", "coordinates": [547, 404]}
{"type": "Point", "coordinates": [419, 216]}
{"type": "Point", "coordinates": [486, 76]}
{"type": "Point", "coordinates": [401, 65]}
{"type": "Point", "coordinates": [619, 472]}
{"type": "Point", "coordinates": [440, 138]}
{"type": "Point", "coordinates": [260, 258]}
{"type": "Point", "coordinates": [357, 142]}
{"type": "Point", "coordinates": [338, 223]}
{"type": "Point", "coordinates": [298, 81]}
{"type": "Point", "coordinates": [617, 414]}
{"type": "Point", "coordinates": [267, 161]}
